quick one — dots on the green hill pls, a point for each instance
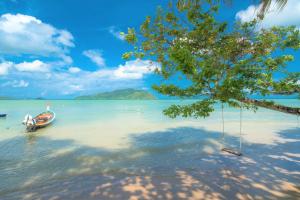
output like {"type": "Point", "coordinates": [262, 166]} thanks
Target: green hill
{"type": "Point", "coordinates": [5, 98]}
{"type": "Point", "coordinates": [125, 94]}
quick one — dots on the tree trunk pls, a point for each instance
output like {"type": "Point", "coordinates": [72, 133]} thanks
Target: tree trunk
{"type": "Point", "coordinates": [276, 107]}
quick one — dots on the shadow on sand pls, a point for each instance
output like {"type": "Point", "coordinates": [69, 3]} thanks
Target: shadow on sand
{"type": "Point", "coordinates": [181, 163]}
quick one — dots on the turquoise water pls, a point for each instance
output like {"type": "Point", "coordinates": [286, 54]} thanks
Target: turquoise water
{"type": "Point", "coordinates": [70, 112]}
{"type": "Point", "coordinates": [107, 137]}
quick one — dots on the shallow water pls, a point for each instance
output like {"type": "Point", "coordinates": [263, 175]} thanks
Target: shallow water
{"type": "Point", "coordinates": [122, 138]}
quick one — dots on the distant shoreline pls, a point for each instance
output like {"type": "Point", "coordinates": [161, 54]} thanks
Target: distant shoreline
{"type": "Point", "coordinates": [131, 94]}
{"type": "Point", "coordinates": [164, 99]}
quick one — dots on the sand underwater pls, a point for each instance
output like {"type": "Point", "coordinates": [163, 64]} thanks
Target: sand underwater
{"type": "Point", "coordinates": [130, 150]}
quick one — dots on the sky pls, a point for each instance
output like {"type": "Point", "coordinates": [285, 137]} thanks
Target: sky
{"type": "Point", "coordinates": [67, 48]}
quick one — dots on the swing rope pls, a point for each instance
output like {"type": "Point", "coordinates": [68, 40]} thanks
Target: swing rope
{"type": "Point", "coordinates": [241, 112]}
{"type": "Point", "coordinates": [223, 128]}
{"type": "Point", "coordinates": [232, 151]}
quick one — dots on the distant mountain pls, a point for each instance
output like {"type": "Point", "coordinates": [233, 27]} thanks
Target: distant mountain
{"type": "Point", "coordinates": [39, 98]}
{"type": "Point", "coordinates": [125, 94]}
{"type": "Point", "coordinates": [5, 98]}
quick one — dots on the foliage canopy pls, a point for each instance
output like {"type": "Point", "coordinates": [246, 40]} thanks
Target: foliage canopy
{"type": "Point", "coordinates": [221, 62]}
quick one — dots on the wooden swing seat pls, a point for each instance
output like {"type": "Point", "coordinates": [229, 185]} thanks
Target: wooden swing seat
{"type": "Point", "coordinates": [232, 151]}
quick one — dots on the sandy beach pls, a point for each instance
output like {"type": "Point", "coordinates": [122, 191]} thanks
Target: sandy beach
{"type": "Point", "coordinates": [144, 155]}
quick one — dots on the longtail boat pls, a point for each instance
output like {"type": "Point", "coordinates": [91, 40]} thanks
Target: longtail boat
{"type": "Point", "coordinates": [3, 115]}
{"type": "Point", "coordinates": [41, 120]}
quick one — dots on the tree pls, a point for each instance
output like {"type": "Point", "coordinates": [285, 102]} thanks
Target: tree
{"type": "Point", "coordinates": [221, 63]}
{"type": "Point", "coordinates": [265, 5]}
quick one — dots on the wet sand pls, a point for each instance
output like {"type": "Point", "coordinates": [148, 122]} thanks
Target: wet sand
{"type": "Point", "coordinates": [134, 156]}
{"type": "Point", "coordinates": [181, 163]}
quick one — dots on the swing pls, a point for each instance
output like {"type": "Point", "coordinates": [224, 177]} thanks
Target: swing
{"type": "Point", "coordinates": [231, 150]}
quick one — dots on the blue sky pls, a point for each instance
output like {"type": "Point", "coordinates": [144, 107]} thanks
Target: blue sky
{"type": "Point", "coordinates": [65, 48]}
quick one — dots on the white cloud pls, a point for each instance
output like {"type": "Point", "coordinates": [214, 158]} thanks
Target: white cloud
{"type": "Point", "coordinates": [72, 88]}
{"type": "Point", "coordinates": [35, 66]}
{"type": "Point", "coordinates": [65, 38]}
{"type": "Point", "coordinates": [117, 34]}
{"type": "Point", "coordinates": [65, 60]}
{"type": "Point", "coordinates": [131, 70]}
{"type": "Point", "coordinates": [24, 34]}
{"type": "Point", "coordinates": [290, 15]}
{"type": "Point", "coordinates": [16, 84]}
{"type": "Point", "coordinates": [22, 83]}
{"type": "Point", "coordinates": [74, 70]}
{"type": "Point", "coordinates": [96, 56]}
{"type": "Point", "coordinates": [76, 87]}
{"type": "Point", "coordinates": [135, 69]}
{"type": "Point", "coordinates": [76, 81]}
{"type": "Point", "coordinates": [4, 67]}
{"type": "Point", "coordinates": [247, 15]}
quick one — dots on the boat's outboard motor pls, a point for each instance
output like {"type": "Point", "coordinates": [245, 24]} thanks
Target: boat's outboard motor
{"type": "Point", "coordinates": [29, 122]}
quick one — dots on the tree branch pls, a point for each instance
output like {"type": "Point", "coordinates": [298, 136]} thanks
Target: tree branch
{"type": "Point", "coordinates": [273, 106]}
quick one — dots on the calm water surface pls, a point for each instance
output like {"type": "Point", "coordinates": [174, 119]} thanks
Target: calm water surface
{"type": "Point", "coordinates": [118, 137]}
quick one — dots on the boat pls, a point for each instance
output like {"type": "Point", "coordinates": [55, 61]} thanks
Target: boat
{"type": "Point", "coordinates": [41, 120]}
{"type": "Point", "coordinates": [3, 115]}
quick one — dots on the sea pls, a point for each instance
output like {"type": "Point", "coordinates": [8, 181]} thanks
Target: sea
{"type": "Point", "coordinates": [118, 149]}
